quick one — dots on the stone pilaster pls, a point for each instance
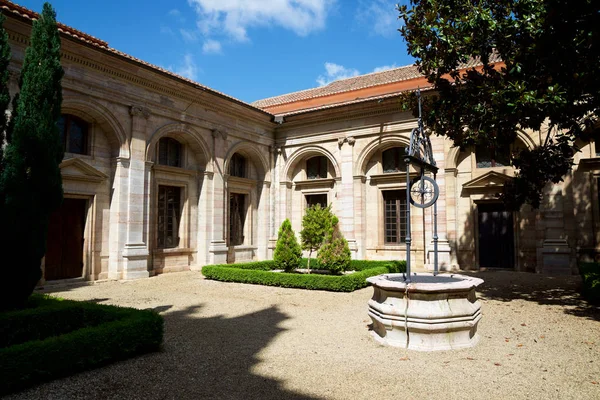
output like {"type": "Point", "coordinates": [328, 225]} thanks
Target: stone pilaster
{"type": "Point", "coordinates": [136, 252]}
{"type": "Point", "coordinates": [346, 192]}
{"type": "Point", "coordinates": [218, 245]}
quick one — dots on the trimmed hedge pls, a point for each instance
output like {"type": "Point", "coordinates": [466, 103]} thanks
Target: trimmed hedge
{"type": "Point", "coordinates": [70, 337]}
{"type": "Point", "coordinates": [245, 273]}
{"type": "Point", "coordinates": [590, 274]}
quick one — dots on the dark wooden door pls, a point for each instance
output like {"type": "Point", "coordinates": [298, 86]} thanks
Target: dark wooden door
{"type": "Point", "coordinates": [64, 253]}
{"type": "Point", "coordinates": [496, 237]}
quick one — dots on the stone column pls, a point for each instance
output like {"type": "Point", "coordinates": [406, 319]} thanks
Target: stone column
{"type": "Point", "coordinates": [360, 224]}
{"type": "Point", "coordinates": [218, 245]}
{"type": "Point", "coordinates": [118, 218]}
{"type": "Point", "coordinates": [136, 252]}
{"type": "Point", "coordinates": [264, 218]}
{"type": "Point", "coordinates": [346, 213]}
{"type": "Point", "coordinates": [273, 198]}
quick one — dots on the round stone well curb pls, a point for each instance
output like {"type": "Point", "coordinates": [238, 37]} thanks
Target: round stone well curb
{"type": "Point", "coordinates": [429, 313]}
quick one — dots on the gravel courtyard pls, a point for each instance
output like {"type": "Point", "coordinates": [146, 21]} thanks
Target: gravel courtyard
{"type": "Point", "coordinates": [235, 341]}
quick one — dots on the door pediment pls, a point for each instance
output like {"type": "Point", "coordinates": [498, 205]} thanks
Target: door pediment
{"type": "Point", "coordinates": [489, 180]}
{"type": "Point", "coordinates": [78, 170]}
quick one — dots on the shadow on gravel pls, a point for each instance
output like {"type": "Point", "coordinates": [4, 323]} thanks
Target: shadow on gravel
{"type": "Point", "coordinates": [544, 290]}
{"type": "Point", "coordinates": [201, 358]}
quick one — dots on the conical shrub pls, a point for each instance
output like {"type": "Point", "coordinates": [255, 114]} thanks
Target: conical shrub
{"type": "Point", "coordinates": [288, 253]}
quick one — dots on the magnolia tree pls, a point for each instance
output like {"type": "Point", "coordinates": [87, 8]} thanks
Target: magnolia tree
{"type": "Point", "coordinates": [30, 179]}
{"type": "Point", "coordinates": [549, 81]}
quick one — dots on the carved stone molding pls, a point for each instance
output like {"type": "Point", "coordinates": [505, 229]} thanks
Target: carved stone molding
{"type": "Point", "coordinates": [219, 132]}
{"type": "Point", "coordinates": [350, 140]}
{"type": "Point", "coordinates": [136, 111]}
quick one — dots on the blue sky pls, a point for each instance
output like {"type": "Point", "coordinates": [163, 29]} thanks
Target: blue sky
{"type": "Point", "coordinates": [249, 49]}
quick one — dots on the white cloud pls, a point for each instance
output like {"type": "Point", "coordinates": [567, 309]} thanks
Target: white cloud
{"type": "Point", "coordinates": [233, 18]}
{"type": "Point", "coordinates": [187, 68]}
{"type": "Point", "coordinates": [166, 30]}
{"type": "Point", "coordinates": [178, 15]}
{"type": "Point", "coordinates": [380, 16]}
{"type": "Point", "coordinates": [385, 68]}
{"type": "Point", "coordinates": [188, 36]}
{"type": "Point", "coordinates": [211, 46]}
{"type": "Point", "coordinates": [335, 72]}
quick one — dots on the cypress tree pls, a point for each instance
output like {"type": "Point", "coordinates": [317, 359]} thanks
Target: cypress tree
{"type": "Point", "coordinates": [287, 253]}
{"type": "Point", "coordinates": [335, 254]}
{"type": "Point", "coordinates": [4, 94]}
{"type": "Point", "coordinates": [31, 181]}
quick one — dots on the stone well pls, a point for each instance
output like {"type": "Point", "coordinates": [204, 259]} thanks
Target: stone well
{"type": "Point", "coordinates": [429, 313]}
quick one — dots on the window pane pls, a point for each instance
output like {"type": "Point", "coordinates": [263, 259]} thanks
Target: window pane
{"type": "Point", "coordinates": [237, 166]}
{"type": "Point", "coordinates": [237, 218]}
{"type": "Point", "coordinates": [483, 156]}
{"type": "Point", "coordinates": [169, 152]}
{"type": "Point", "coordinates": [169, 216]}
{"type": "Point", "coordinates": [316, 167]}
{"type": "Point", "coordinates": [394, 216]}
{"type": "Point", "coordinates": [314, 199]}
{"type": "Point", "coordinates": [392, 159]}
{"type": "Point", "coordinates": [77, 138]}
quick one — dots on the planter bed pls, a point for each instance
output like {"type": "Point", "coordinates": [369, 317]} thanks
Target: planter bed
{"type": "Point", "coordinates": [262, 273]}
{"type": "Point", "coordinates": [53, 338]}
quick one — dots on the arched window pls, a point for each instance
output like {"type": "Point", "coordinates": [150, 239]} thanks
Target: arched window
{"type": "Point", "coordinates": [487, 157]}
{"type": "Point", "coordinates": [237, 166]}
{"type": "Point", "coordinates": [169, 152]}
{"type": "Point", "coordinates": [316, 167]}
{"type": "Point", "coordinates": [392, 160]}
{"type": "Point", "coordinates": [73, 134]}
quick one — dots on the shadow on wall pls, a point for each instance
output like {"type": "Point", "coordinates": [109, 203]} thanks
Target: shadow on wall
{"type": "Point", "coordinates": [211, 357]}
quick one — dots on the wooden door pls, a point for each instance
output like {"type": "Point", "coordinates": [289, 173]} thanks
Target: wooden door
{"type": "Point", "coordinates": [64, 253]}
{"type": "Point", "coordinates": [496, 237]}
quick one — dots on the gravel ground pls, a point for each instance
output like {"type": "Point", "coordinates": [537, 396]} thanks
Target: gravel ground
{"type": "Point", "coordinates": [236, 341]}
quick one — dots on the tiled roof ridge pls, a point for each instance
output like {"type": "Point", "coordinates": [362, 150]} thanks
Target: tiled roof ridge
{"type": "Point", "coordinates": [6, 5]}
{"type": "Point", "coordinates": [321, 91]}
{"type": "Point", "coordinates": [338, 91]}
{"type": "Point", "coordinates": [32, 15]}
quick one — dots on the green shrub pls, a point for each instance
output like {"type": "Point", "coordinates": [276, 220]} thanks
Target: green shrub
{"type": "Point", "coordinates": [81, 336]}
{"type": "Point", "coordinates": [344, 283]}
{"type": "Point", "coordinates": [334, 254]}
{"type": "Point", "coordinates": [590, 274]}
{"type": "Point", "coordinates": [287, 253]}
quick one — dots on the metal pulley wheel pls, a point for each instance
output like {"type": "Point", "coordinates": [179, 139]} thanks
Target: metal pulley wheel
{"type": "Point", "coordinates": [424, 192]}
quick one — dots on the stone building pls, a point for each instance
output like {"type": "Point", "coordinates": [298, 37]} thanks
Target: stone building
{"type": "Point", "coordinates": [163, 174]}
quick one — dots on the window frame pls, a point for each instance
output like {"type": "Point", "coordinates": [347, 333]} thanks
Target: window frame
{"type": "Point", "coordinates": [322, 167]}
{"type": "Point", "coordinates": [398, 155]}
{"type": "Point", "coordinates": [65, 134]}
{"type": "Point", "coordinates": [176, 230]}
{"type": "Point", "coordinates": [170, 143]}
{"type": "Point", "coordinates": [243, 216]}
{"type": "Point", "coordinates": [238, 166]}
{"type": "Point", "coordinates": [400, 209]}
{"type": "Point", "coordinates": [493, 157]}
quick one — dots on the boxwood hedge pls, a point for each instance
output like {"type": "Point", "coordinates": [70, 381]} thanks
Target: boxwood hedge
{"type": "Point", "coordinates": [260, 273]}
{"type": "Point", "coordinates": [590, 274]}
{"type": "Point", "coordinates": [53, 338]}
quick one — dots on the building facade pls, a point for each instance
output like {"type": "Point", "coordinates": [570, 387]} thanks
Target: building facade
{"type": "Point", "coordinates": [162, 174]}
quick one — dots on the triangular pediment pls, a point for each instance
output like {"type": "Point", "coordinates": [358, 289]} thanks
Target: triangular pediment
{"type": "Point", "coordinates": [76, 169]}
{"type": "Point", "coordinates": [488, 180]}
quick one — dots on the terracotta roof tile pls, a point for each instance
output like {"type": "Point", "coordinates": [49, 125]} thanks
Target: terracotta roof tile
{"type": "Point", "coordinates": [358, 82]}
